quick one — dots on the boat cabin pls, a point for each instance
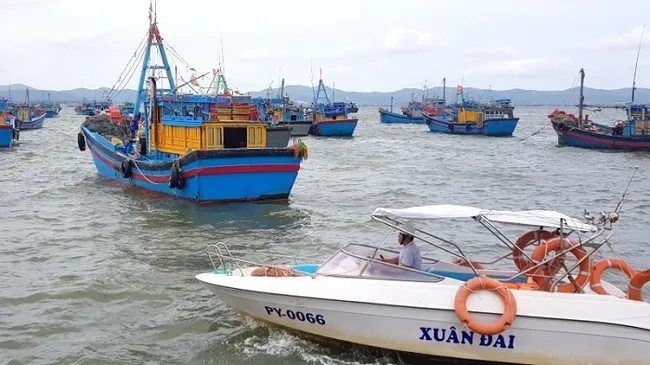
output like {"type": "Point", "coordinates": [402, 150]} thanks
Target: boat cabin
{"type": "Point", "coordinates": [638, 121]}
{"type": "Point", "coordinates": [195, 122]}
{"type": "Point", "coordinates": [332, 111]}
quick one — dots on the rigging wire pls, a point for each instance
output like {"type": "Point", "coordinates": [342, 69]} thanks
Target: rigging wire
{"type": "Point", "coordinates": [127, 66]}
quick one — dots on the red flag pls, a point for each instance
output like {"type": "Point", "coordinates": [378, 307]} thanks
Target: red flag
{"type": "Point", "coordinates": [214, 72]}
{"type": "Point", "coordinates": [150, 11]}
{"type": "Point", "coordinates": [459, 89]}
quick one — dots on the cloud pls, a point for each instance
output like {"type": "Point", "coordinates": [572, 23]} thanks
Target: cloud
{"type": "Point", "coordinates": [512, 67]}
{"type": "Point", "coordinates": [398, 40]}
{"type": "Point", "coordinates": [620, 41]}
{"type": "Point", "coordinates": [340, 69]}
{"type": "Point", "coordinates": [489, 52]}
{"type": "Point", "coordinates": [255, 54]}
{"type": "Point", "coordinates": [404, 40]}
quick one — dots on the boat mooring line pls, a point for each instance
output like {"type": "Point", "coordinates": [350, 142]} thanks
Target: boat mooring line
{"type": "Point", "coordinates": [539, 130]}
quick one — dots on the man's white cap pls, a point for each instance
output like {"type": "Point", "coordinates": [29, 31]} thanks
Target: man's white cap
{"type": "Point", "coordinates": [408, 227]}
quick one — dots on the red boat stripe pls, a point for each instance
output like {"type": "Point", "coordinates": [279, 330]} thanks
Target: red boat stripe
{"type": "Point", "coordinates": [606, 142]}
{"type": "Point", "coordinates": [214, 170]}
{"type": "Point", "coordinates": [337, 121]}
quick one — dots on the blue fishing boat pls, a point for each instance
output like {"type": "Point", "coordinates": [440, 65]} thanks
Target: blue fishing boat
{"type": "Point", "coordinates": [127, 108]}
{"type": "Point", "coordinates": [630, 134]}
{"type": "Point", "coordinates": [351, 107]}
{"type": "Point", "coordinates": [91, 108]}
{"type": "Point", "coordinates": [412, 113]}
{"type": "Point", "coordinates": [184, 145]}
{"type": "Point", "coordinates": [26, 118]}
{"type": "Point", "coordinates": [51, 108]}
{"type": "Point", "coordinates": [330, 118]}
{"type": "Point", "coordinates": [280, 110]}
{"type": "Point", "coordinates": [8, 130]}
{"type": "Point", "coordinates": [495, 119]}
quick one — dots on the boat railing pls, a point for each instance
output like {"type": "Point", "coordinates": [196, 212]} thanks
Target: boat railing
{"type": "Point", "coordinates": [603, 226]}
{"type": "Point", "coordinates": [369, 259]}
{"type": "Point", "coordinates": [393, 223]}
{"type": "Point", "coordinates": [222, 258]}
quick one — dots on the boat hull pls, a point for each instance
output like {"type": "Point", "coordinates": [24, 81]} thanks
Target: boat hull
{"type": "Point", "coordinates": [334, 128]}
{"type": "Point", "coordinates": [210, 176]}
{"type": "Point", "coordinates": [34, 123]}
{"type": "Point", "coordinates": [278, 136]}
{"type": "Point", "coordinates": [51, 114]}
{"type": "Point", "coordinates": [567, 136]}
{"type": "Point", "coordinates": [6, 135]}
{"type": "Point", "coordinates": [388, 117]}
{"type": "Point", "coordinates": [299, 128]}
{"type": "Point", "coordinates": [493, 128]}
{"type": "Point", "coordinates": [437, 332]}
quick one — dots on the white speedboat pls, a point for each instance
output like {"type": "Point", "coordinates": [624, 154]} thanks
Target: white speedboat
{"type": "Point", "coordinates": [540, 313]}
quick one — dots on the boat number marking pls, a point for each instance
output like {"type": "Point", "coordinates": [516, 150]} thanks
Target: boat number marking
{"type": "Point", "coordinates": [295, 315]}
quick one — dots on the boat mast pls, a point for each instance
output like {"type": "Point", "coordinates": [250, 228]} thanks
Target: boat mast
{"type": "Point", "coordinates": [444, 89]}
{"type": "Point", "coordinates": [582, 97]}
{"type": "Point", "coordinates": [637, 63]}
{"type": "Point", "coordinates": [154, 40]}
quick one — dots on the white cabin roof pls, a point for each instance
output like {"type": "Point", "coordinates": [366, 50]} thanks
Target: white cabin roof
{"type": "Point", "coordinates": [531, 218]}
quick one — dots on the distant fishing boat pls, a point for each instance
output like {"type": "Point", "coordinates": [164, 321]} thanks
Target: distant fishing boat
{"type": "Point", "coordinates": [630, 134]}
{"type": "Point", "coordinates": [26, 118]}
{"type": "Point", "coordinates": [330, 118]}
{"type": "Point", "coordinates": [280, 110]}
{"type": "Point", "coordinates": [495, 119]}
{"type": "Point", "coordinates": [351, 107]}
{"type": "Point", "coordinates": [187, 145]}
{"type": "Point", "coordinates": [127, 108]}
{"type": "Point", "coordinates": [93, 108]}
{"type": "Point", "coordinates": [8, 130]}
{"type": "Point", "coordinates": [412, 113]}
{"type": "Point", "coordinates": [51, 108]}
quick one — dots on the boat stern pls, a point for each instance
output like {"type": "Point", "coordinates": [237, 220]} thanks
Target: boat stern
{"type": "Point", "coordinates": [336, 127]}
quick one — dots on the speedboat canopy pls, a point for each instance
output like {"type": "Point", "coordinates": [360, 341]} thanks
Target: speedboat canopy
{"type": "Point", "coordinates": [532, 218]}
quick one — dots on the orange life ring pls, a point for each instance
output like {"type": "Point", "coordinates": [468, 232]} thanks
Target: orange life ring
{"type": "Point", "coordinates": [603, 265]}
{"type": "Point", "coordinates": [530, 285]}
{"type": "Point", "coordinates": [559, 244]}
{"type": "Point", "coordinates": [274, 271]}
{"type": "Point", "coordinates": [484, 283]}
{"type": "Point", "coordinates": [463, 262]}
{"type": "Point", "coordinates": [526, 240]}
{"type": "Point", "coordinates": [636, 284]}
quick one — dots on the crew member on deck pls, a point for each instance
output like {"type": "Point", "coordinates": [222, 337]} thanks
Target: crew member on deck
{"type": "Point", "coordinates": [409, 253]}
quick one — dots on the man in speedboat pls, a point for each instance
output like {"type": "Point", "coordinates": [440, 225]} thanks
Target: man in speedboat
{"type": "Point", "coordinates": [409, 253]}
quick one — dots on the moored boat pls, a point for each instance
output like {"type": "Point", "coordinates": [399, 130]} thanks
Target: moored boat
{"type": "Point", "coordinates": [329, 118]}
{"type": "Point", "coordinates": [9, 133]}
{"type": "Point", "coordinates": [542, 313]}
{"type": "Point", "coordinates": [630, 134]}
{"type": "Point", "coordinates": [351, 107]}
{"type": "Point", "coordinates": [183, 146]}
{"type": "Point", "coordinates": [413, 112]}
{"type": "Point", "coordinates": [494, 119]}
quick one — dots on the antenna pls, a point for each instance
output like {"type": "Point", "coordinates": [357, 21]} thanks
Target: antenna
{"type": "Point", "coordinates": [223, 58]}
{"type": "Point", "coordinates": [620, 203]}
{"type": "Point", "coordinates": [637, 62]}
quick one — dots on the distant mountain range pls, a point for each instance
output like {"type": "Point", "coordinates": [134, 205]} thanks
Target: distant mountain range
{"type": "Point", "coordinates": [401, 97]}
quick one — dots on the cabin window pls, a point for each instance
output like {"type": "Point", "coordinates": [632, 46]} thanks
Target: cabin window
{"type": "Point", "coordinates": [258, 135]}
{"type": "Point", "coordinates": [210, 133]}
{"type": "Point", "coordinates": [234, 137]}
{"type": "Point", "coordinates": [294, 117]}
{"type": "Point", "coordinates": [218, 137]}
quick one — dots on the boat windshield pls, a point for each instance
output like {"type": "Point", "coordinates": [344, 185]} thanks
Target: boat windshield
{"type": "Point", "coordinates": [354, 260]}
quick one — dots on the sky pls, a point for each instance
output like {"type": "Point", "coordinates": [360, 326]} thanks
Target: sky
{"type": "Point", "coordinates": [360, 45]}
